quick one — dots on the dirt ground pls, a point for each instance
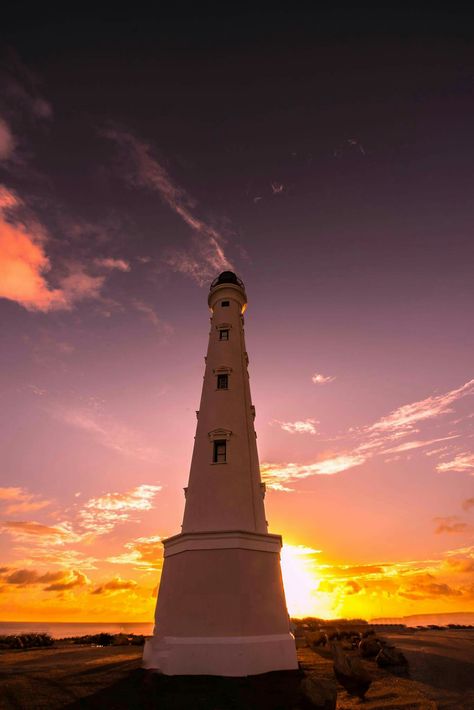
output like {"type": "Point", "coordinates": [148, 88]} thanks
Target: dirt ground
{"type": "Point", "coordinates": [441, 676]}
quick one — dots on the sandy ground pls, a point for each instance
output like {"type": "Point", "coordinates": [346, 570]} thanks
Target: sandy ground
{"type": "Point", "coordinates": [441, 676]}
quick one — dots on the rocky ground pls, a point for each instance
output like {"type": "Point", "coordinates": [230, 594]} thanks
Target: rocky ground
{"type": "Point", "coordinates": [441, 676]}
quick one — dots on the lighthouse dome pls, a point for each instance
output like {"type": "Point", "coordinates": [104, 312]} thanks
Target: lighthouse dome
{"type": "Point", "coordinates": [227, 277]}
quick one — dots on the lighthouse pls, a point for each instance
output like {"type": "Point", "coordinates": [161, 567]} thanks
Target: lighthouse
{"type": "Point", "coordinates": [221, 606]}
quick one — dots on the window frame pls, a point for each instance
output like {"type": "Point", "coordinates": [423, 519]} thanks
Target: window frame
{"type": "Point", "coordinates": [225, 304]}
{"type": "Point", "coordinates": [227, 334]}
{"type": "Point", "coordinates": [221, 378]}
{"type": "Point", "coordinates": [216, 445]}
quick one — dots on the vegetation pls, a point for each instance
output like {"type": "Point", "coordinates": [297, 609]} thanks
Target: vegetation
{"type": "Point", "coordinates": [32, 640]}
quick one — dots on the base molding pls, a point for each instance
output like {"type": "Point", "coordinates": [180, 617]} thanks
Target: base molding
{"type": "Point", "coordinates": [220, 655]}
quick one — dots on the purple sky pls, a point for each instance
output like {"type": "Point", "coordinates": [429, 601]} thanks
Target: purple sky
{"type": "Point", "coordinates": [328, 161]}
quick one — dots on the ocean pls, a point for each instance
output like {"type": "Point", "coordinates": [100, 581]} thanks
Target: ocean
{"type": "Point", "coordinates": [67, 629]}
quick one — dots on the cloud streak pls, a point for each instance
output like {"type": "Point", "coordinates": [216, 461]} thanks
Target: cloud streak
{"type": "Point", "coordinates": [376, 439]}
{"type": "Point", "coordinates": [7, 142]}
{"type": "Point", "coordinates": [105, 430]}
{"type": "Point", "coordinates": [306, 426]}
{"type": "Point", "coordinates": [464, 463]}
{"type": "Point", "coordinates": [406, 417]}
{"type": "Point", "coordinates": [208, 256]}
{"type": "Point", "coordinates": [26, 530]}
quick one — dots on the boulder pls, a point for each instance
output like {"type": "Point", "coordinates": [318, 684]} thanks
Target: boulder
{"type": "Point", "coordinates": [350, 672]}
{"type": "Point", "coordinates": [317, 694]}
{"type": "Point", "coordinates": [391, 657]}
{"type": "Point", "coordinates": [316, 638]}
{"type": "Point", "coordinates": [369, 647]}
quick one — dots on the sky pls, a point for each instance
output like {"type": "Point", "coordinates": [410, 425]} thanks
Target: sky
{"type": "Point", "coordinates": [328, 161]}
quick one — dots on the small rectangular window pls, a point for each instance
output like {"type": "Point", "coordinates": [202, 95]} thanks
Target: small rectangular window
{"type": "Point", "coordinates": [224, 334]}
{"type": "Point", "coordinates": [220, 451]}
{"type": "Point", "coordinates": [225, 304]}
{"type": "Point", "coordinates": [222, 382]}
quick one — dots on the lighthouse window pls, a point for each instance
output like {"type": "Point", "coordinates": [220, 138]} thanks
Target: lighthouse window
{"type": "Point", "coordinates": [222, 382]}
{"type": "Point", "coordinates": [225, 304]}
{"type": "Point", "coordinates": [224, 334]}
{"type": "Point", "coordinates": [220, 451]}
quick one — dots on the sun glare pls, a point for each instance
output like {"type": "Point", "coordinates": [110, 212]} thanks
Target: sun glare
{"type": "Point", "coordinates": [301, 583]}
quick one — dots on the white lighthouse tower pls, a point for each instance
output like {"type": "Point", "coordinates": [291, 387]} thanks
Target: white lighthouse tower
{"type": "Point", "coordinates": [221, 607]}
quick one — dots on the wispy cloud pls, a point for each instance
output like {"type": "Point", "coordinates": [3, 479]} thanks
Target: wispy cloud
{"type": "Point", "coordinates": [7, 142]}
{"type": "Point", "coordinates": [105, 430]}
{"type": "Point", "coordinates": [21, 88]}
{"type": "Point", "coordinates": [377, 439]}
{"type": "Point", "coordinates": [463, 463]}
{"type": "Point", "coordinates": [27, 530]}
{"type": "Point", "coordinates": [46, 555]}
{"type": "Point", "coordinates": [319, 379]}
{"type": "Point", "coordinates": [468, 504]}
{"type": "Point", "coordinates": [277, 475]}
{"type": "Point", "coordinates": [306, 426]}
{"type": "Point", "coordinates": [450, 524]}
{"type": "Point", "coordinates": [18, 500]}
{"type": "Point", "coordinates": [208, 256]}
{"type": "Point", "coordinates": [101, 515]}
{"type": "Point", "coordinates": [110, 263]}
{"type": "Point", "coordinates": [142, 553]}
{"type": "Point", "coordinates": [406, 417]}
{"type": "Point", "coordinates": [163, 328]}
{"type": "Point", "coordinates": [417, 444]}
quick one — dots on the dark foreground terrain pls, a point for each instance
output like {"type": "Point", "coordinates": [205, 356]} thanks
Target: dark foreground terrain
{"type": "Point", "coordinates": [441, 676]}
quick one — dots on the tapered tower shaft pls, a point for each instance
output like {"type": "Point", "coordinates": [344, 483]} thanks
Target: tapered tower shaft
{"type": "Point", "coordinates": [225, 491]}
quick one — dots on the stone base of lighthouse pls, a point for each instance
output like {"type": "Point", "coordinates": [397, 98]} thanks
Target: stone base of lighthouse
{"type": "Point", "coordinates": [221, 607]}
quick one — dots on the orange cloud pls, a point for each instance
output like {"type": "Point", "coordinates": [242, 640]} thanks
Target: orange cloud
{"type": "Point", "coordinates": [450, 525]}
{"type": "Point", "coordinates": [26, 530]}
{"type": "Point", "coordinates": [468, 504]}
{"type": "Point", "coordinates": [117, 584]}
{"type": "Point", "coordinates": [23, 261]}
{"type": "Point", "coordinates": [24, 264]}
{"type": "Point", "coordinates": [21, 501]}
{"type": "Point", "coordinates": [144, 552]}
{"type": "Point", "coordinates": [460, 564]}
{"type": "Point", "coordinates": [420, 591]}
{"type": "Point", "coordinates": [70, 581]}
{"type": "Point", "coordinates": [56, 581]}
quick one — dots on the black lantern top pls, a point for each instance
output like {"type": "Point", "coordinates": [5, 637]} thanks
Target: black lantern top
{"type": "Point", "coordinates": [227, 277]}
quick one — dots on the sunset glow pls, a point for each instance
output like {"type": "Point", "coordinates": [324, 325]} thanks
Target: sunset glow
{"type": "Point", "coordinates": [338, 185]}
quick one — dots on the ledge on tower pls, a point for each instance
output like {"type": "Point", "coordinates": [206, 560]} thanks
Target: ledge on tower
{"type": "Point", "coordinates": [227, 277]}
